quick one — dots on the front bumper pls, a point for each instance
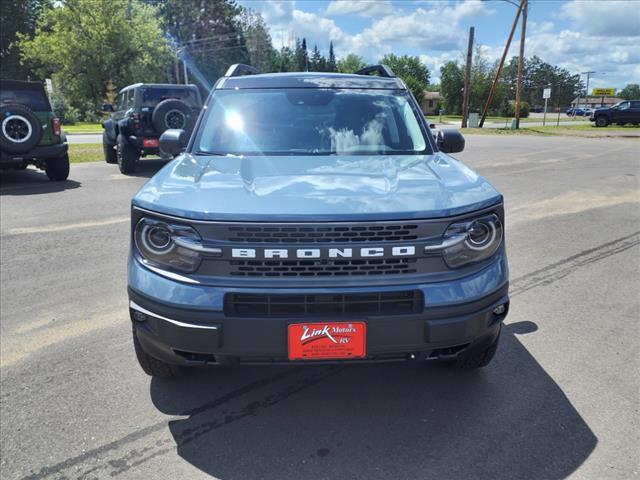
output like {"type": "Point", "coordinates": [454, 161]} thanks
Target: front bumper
{"type": "Point", "coordinates": [186, 325]}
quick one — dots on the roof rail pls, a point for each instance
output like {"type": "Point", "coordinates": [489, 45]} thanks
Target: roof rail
{"type": "Point", "coordinates": [240, 69]}
{"type": "Point", "coordinates": [382, 70]}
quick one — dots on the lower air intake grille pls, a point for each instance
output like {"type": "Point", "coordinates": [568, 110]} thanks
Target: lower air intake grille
{"type": "Point", "coordinates": [277, 305]}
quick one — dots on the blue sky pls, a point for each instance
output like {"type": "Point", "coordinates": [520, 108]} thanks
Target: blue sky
{"type": "Point", "coordinates": [580, 35]}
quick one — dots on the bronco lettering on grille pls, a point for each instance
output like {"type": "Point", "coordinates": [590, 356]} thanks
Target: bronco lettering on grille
{"type": "Point", "coordinates": [304, 253]}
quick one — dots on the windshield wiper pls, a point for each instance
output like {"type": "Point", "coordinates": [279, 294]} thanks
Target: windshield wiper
{"type": "Point", "coordinates": [219, 154]}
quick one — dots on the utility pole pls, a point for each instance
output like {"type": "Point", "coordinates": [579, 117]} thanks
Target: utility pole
{"type": "Point", "coordinates": [524, 7]}
{"type": "Point", "coordinates": [586, 93]}
{"type": "Point", "coordinates": [499, 70]}
{"type": "Point", "coordinates": [467, 80]}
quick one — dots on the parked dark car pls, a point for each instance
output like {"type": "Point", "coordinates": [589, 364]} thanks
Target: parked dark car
{"type": "Point", "coordinates": [142, 113]}
{"type": "Point", "coordinates": [575, 112]}
{"type": "Point", "coordinates": [313, 218]}
{"type": "Point", "coordinates": [30, 133]}
{"type": "Point", "coordinates": [621, 113]}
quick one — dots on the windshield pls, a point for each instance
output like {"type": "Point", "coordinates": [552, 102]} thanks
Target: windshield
{"type": "Point", "coordinates": [310, 122]}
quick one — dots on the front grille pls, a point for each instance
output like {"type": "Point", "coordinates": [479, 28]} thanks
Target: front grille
{"type": "Point", "coordinates": [322, 233]}
{"type": "Point", "coordinates": [378, 303]}
{"type": "Point", "coordinates": [322, 268]}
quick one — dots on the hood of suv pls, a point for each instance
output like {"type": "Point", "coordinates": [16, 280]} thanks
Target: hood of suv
{"type": "Point", "coordinates": [319, 188]}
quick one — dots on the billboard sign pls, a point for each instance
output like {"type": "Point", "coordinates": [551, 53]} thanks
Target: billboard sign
{"type": "Point", "coordinates": [601, 92]}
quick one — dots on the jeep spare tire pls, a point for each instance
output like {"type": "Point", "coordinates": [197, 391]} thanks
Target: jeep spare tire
{"type": "Point", "coordinates": [20, 129]}
{"type": "Point", "coordinates": [172, 113]}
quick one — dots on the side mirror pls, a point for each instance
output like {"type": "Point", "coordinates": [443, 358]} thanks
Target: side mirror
{"type": "Point", "coordinates": [450, 141]}
{"type": "Point", "coordinates": [432, 126]}
{"type": "Point", "coordinates": [173, 141]}
{"type": "Point", "coordinates": [107, 107]}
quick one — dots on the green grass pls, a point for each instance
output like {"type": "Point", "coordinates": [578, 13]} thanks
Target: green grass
{"type": "Point", "coordinates": [82, 127]}
{"type": "Point", "coordinates": [567, 130]}
{"type": "Point", "coordinates": [86, 152]}
{"type": "Point", "coordinates": [551, 117]}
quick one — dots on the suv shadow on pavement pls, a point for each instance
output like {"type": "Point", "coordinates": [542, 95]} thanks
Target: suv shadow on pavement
{"type": "Point", "coordinates": [31, 182]}
{"type": "Point", "coordinates": [149, 168]}
{"type": "Point", "coordinates": [510, 420]}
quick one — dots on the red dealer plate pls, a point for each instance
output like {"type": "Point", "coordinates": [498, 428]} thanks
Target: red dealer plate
{"type": "Point", "coordinates": [327, 340]}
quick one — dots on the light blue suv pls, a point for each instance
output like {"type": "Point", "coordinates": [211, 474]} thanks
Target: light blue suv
{"type": "Point", "coordinates": [314, 218]}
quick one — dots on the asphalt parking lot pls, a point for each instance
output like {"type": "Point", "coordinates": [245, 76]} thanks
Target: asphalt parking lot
{"type": "Point", "coordinates": [561, 399]}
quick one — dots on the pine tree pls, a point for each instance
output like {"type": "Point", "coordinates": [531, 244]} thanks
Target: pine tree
{"type": "Point", "coordinates": [317, 61]}
{"type": "Point", "coordinates": [331, 62]}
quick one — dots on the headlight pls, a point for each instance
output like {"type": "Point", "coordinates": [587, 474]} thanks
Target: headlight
{"type": "Point", "coordinates": [472, 241]}
{"type": "Point", "coordinates": [168, 245]}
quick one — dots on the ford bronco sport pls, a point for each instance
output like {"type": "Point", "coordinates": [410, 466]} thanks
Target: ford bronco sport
{"type": "Point", "coordinates": [314, 217]}
{"type": "Point", "coordinates": [30, 133]}
{"type": "Point", "coordinates": [142, 113]}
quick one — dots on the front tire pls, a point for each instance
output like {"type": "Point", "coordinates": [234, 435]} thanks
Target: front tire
{"type": "Point", "coordinates": [127, 155]}
{"type": "Point", "coordinates": [110, 154]}
{"type": "Point", "coordinates": [602, 121]}
{"type": "Point", "coordinates": [57, 169]}
{"type": "Point", "coordinates": [151, 365]}
{"type": "Point", "coordinates": [477, 356]}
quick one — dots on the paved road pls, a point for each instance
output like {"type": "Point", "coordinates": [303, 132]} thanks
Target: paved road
{"type": "Point", "coordinates": [559, 401]}
{"type": "Point", "coordinates": [85, 138]}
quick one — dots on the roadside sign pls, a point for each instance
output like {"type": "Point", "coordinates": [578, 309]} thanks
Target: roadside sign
{"type": "Point", "coordinates": [546, 93]}
{"type": "Point", "coordinates": [599, 92]}
{"type": "Point", "coordinates": [49, 85]}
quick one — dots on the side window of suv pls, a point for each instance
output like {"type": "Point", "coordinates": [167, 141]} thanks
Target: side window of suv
{"type": "Point", "coordinates": [130, 96]}
{"type": "Point", "coordinates": [624, 106]}
{"type": "Point", "coordinates": [635, 104]}
{"type": "Point", "coordinates": [120, 102]}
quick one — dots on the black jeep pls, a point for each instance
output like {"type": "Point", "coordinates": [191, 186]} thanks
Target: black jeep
{"type": "Point", "coordinates": [142, 113]}
{"type": "Point", "coordinates": [30, 133]}
{"type": "Point", "coordinates": [621, 113]}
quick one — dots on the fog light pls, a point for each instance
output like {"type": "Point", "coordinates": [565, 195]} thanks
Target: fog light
{"type": "Point", "coordinates": [499, 310]}
{"type": "Point", "coordinates": [139, 316]}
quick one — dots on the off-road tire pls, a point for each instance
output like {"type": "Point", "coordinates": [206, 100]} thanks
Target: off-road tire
{"type": "Point", "coordinates": [127, 155]}
{"type": "Point", "coordinates": [602, 121]}
{"type": "Point", "coordinates": [476, 356]}
{"type": "Point", "coordinates": [172, 113]}
{"type": "Point", "coordinates": [151, 365]}
{"type": "Point", "coordinates": [110, 154]}
{"type": "Point", "coordinates": [20, 129]}
{"type": "Point", "coordinates": [57, 169]}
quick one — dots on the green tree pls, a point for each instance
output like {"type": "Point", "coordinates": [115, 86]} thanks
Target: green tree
{"type": "Point", "coordinates": [17, 16]}
{"type": "Point", "coordinates": [86, 43]}
{"type": "Point", "coordinates": [331, 61]}
{"type": "Point", "coordinates": [302, 55]}
{"type": "Point", "coordinates": [538, 75]}
{"type": "Point", "coordinates": [317, 62]}
{"type": "Point", "coordinates": [630, 92]}
{"type": "Point", "coordinates": [451, 87]}
{"type": "Point", "coordinates": [285, 60]}
{"type": "Point", "coordinates": [261, 53]}
{"type": "Point", "coordinates": [415, 73]}
{"type": "Point", "coordinates": [407, 66]}
{"type": "Point", "coordinates": [351, 63]}
{"type": "Point", "coordinates": [208, 33]}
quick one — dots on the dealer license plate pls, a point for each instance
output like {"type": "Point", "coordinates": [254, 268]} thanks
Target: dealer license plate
{"type": "Point", "coordinates": [327, 340]}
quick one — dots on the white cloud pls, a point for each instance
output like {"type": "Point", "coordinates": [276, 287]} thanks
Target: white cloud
{"type": "Point", "coordinates": [602, 36]}
{"type": "Point", "coordinates": [357, 7]}
{"type": "Point", "coordinates": [617, 18]}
